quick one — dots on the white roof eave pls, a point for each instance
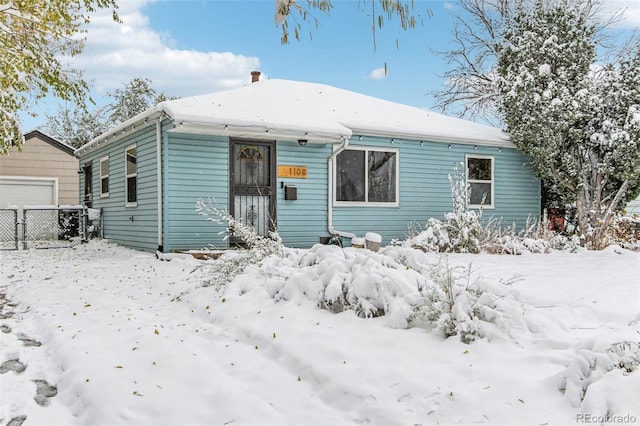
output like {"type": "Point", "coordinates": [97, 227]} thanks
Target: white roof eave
{"type": "Point", "coordinates": [497, 142]}
{"type": "Point", "coordinates": [258, 132]}
{"type": "Point", "coordinates": [119, 131]}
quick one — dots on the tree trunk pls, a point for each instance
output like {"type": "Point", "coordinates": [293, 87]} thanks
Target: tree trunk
{"type": "Point", "coordinates": [602, 224]}
{"type": "Point", "coordinates": [583, 216]}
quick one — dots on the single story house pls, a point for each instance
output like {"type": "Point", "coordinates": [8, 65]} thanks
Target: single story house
{"type": "Point", "coordinates": [308, 159]}
{"type": "Point", "coordinates": [44, 172]}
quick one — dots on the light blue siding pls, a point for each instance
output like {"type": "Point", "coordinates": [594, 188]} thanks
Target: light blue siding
{"type": "Point", "coordinates": [303, 221]}
{"type": "Point", "coordinates": [136, 227]}
{"type": "Point", "coordinates": [425, 191]}
{"type": "Point", "coordinates": [196, 167]}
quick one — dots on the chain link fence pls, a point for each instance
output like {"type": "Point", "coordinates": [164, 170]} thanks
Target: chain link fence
{"type": "Point", "coordinates": [9, 229]}
{"type": "Point", "coordinates": [48, 227]}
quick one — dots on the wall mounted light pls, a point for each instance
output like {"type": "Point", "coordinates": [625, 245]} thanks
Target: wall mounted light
{"type": "Point", "coordinates": [302, 142]}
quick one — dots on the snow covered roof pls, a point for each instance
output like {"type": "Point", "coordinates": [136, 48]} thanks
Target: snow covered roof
{"type": "Point", "coordinates": [285, 109]}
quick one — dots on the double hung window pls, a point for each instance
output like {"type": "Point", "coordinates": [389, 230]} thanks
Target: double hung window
{"type": "Point", "coordinates": [131, 176]}
{"type": "Point", "coordinates": [480, 181]}
{"type": "Point", "coordinates": [104, 177]}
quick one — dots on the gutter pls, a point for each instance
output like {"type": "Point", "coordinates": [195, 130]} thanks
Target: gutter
{"type": "Point", "coordinates": [332, 230]}
{"type": "Point", "coordinates": [115, 133]}
{"type": "Point", "coordinates": [502, 141]}
{"type": "Point", "coordinates": [159, 182]}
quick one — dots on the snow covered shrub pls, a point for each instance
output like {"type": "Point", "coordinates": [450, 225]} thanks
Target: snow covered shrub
{"type": "Point", "coordinates": [535, 237]}
{"type": "Point", "coordinates": [625, 355]}
{"type": "Point", "coordinates": [434, 238]}
{"type": "Point", "coordinates": [231, 264]}
{"type": "Point", "coordinates": [586, 368]}
{"type": "Point", "coordinates": [370, 284]}
{"type": "Point", "coordinates": [461, 230]}
{"type": "Point", "coordinates": [623, 230]}
{"type": "Point", "coordinates": [593, 364]}
{"type": "Point", "coordinates": [456, 304]}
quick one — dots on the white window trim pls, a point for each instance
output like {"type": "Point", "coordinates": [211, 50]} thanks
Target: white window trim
{"type": "Point", "coordinates": [127, 176]}
{"type": "Point", "coordinates": [102, 160]}
{"type": "Point", "coordinates": [365, 203]}
{"type": "Point", "coordinates": [492, 181]}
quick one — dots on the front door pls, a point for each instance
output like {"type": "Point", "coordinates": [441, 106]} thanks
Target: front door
{"type": "Point", "coordinates": [252, 184]}
{"type": "Point", "coordinates": [87, 171]}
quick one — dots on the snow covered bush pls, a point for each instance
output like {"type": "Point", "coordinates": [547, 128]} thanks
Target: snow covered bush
{"type": "Point", "coordinates": [461, 230]}
{"type": "Point", "coordinates": [625, 355]}
{"type": "Point", "coordinates": [455, 303]}
{"type": "Point", "coordinates": [535, 237]}
{"type": "Point", "coordinates": [592, 365]}
{"type": "Point", "coordinates": [233, 263]}
{"type": "Point", "coordinates": [407, 287]}
{"type": "Point", "coordinates": [623, 230]}
{"type": "Point", "coordinates": [368, 283]}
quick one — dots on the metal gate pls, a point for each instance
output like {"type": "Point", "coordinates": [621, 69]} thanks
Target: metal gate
{"type": "Point", "coordinates": [252, 184]}
{"type": "Point", "coordinates": [47, 227]}
{"type": "Point", "coordinates": [9, 239]}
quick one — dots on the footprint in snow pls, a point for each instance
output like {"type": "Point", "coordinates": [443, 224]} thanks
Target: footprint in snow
{"type": "Point", "coordinates": [17, 421]}
{"type": "Point", "coordinates": [12, 365]}
{"type": "Point", "coordinates": [44, 391]}
{"type": "Point", "coordinates": [27, 341]}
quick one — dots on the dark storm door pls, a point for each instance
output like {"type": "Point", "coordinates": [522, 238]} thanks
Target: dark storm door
{"type": "Point", "coordinates": [252, 184]}
{"type": "Point", "coordinates": [87, 171]}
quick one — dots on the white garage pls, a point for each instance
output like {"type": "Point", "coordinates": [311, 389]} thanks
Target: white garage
{"type": "Point", "coordinates": [32, 191]}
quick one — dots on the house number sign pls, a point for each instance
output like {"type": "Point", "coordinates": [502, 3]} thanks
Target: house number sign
{"type": "Point", "coordinates": [296, 172]}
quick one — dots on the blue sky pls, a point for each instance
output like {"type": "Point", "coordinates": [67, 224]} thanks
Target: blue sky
{"type": "Point", "coordinates": [190, 47]}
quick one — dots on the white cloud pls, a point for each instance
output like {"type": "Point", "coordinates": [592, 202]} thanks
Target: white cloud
{"type": "Point", "coordinates": [116, 53]}
{"type": "Point", "coordinates": [631, 12]}
{"type": "Point", "coordinates": [449, 6]}
{"type": "Point", "coordinates": [378, 73]}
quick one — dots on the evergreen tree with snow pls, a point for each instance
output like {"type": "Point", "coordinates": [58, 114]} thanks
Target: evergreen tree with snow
{"type": "Point", "coordinates": [580, 127]}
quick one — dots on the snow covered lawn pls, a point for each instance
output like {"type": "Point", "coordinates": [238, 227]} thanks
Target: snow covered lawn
{"type": "Point", "coordinates": [127, 339]}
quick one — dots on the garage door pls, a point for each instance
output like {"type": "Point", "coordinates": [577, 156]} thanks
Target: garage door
{"type": "Point", "coordinates": [21, 191]}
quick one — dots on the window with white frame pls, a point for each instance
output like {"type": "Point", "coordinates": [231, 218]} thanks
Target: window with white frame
{"type": "Point", "coordinates": [131, 176]}
{"type": "Point", "coordinates": [104, 177]}
{"type": "Point", "coordinates": [480, 181]}
{"type": "Point", "coordinates": [366, 176]}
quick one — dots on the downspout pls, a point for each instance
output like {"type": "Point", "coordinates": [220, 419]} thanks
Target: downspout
{"type": "Point", "coordinates": [332, 230]}
{"type": "Point", "coordinates": [159, 181]}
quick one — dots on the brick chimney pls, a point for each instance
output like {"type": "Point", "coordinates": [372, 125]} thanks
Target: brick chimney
{"type": "Point", "coordinates": [255, 76]}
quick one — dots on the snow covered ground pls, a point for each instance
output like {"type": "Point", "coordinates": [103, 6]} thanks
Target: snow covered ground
{"type": "Point", "coordinates": [103, 335]}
